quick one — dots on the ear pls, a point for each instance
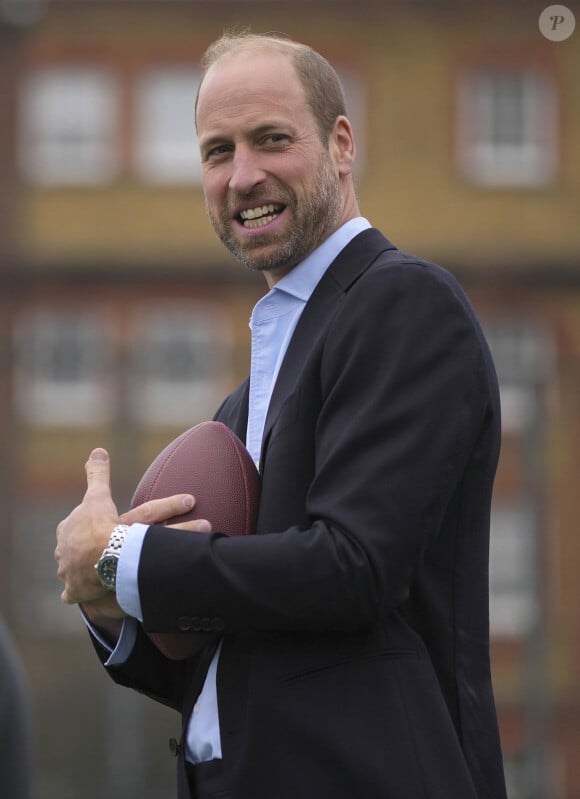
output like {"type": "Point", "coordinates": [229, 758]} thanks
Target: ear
{"type": "Point", "coordinates": [341, 146]}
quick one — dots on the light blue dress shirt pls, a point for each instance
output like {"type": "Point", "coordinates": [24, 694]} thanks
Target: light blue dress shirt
{"type": "Point", "coordinates": [272, 325]}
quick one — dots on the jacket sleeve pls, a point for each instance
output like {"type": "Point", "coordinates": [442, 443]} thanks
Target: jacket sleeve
{"type": "Point", "coordinates": [148, 671]}
{"type": "Point", "coordinates": [385, 418]}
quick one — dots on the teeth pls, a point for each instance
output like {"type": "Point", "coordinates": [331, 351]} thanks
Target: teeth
{"type": "Point", "coordinates": [257, 213]}
{"type": "Point", "coordinates": [263, 220]}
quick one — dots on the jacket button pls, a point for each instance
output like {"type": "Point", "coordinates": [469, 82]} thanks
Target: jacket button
{"type": "Point", "coordinates": [184, 624]}
{"type": "Point", "coordinates": [174, 747]}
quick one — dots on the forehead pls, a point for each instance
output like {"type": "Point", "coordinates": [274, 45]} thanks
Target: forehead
{"type": "Point", "coordinates": [249, 84]}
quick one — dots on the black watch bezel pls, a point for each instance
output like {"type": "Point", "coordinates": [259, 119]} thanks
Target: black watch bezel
{"type": "Point", "coordinates": [107, 570]}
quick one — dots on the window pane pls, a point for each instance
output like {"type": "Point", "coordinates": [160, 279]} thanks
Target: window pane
{"type": "Point", "coordinates": [355, 97]}
{"type": "Point", "coordinates": [507, 126]}
{"type": "Point", "coordinates": [33, 543]}
{"type": "Point", "coordinates": [62, 374]}
{"type": "Point", "coordinates": [167, 149]}
{"type": "Point", "coordinates": [512, 580]}
{"type": "Point", "coordinates": [181, 364]}
{"type": "Point", "coordinates": [69, 125]}
{"type": "Point", "coordinates": [524, 358]}
{"type": "Point", "coordinates": [507, 92]}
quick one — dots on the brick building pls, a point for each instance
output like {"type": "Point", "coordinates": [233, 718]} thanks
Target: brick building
{"type": "Point", "coordinates": [124, 321]}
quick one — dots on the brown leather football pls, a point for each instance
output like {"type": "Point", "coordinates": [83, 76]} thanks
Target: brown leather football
{"type": "Point", "coordinates": [210, 462]}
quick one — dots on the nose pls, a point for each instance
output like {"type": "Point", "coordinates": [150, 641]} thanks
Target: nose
{"type": "Point", "coordinates": [246, 171]}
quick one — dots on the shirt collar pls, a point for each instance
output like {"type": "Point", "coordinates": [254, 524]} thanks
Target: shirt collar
{"type": "Point", "coordinates": [301, 281]}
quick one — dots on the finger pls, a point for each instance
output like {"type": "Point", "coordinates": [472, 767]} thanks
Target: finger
{"type": "Point", "coordinates": [196, 526]}
{"type": "Point", "coordinates": [60, 527]}
{"type": "Point", "coordinates": [158, 510]}
{"type": "Point", "coordinates": [68, 598]}
{"type": "Point", "coordinates": [98, 471]}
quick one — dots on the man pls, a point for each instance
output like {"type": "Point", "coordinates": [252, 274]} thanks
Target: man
{"type": "Point", "coordinates": [355, 654]}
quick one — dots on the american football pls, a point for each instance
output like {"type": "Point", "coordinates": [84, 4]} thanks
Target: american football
{"type": "Point", "coordinates": [210, 462]}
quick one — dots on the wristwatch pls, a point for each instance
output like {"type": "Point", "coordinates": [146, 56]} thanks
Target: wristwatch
{"type": "Point", "coordinates": [107, 564]}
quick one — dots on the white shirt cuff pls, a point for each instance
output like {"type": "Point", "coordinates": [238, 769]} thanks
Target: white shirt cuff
{"type": "Point", "coordinates": [125, 642]}
{"type": "Point", "coordinates": [128, 570]}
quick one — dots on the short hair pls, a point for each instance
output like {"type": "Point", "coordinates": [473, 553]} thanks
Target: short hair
{"type": "Point", "coordinates": [321, 83]}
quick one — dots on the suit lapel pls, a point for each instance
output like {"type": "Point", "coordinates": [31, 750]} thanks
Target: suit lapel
{"type": "Point", "coordinates": [343, 272]}
{"type": "Point", "coordinates": [234, 410]}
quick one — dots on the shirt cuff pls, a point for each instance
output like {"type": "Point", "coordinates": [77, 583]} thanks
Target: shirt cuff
{"type": "Point", "coordinates": [128, 569]}
{"type": "Point", "coordinates": [125, 642]}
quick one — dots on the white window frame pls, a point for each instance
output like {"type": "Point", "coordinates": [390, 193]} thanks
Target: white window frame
{"type": "Point", "coordinates": [485, 153]}
{"type": "Point", "coordinates": [69, 125]}
{"type": "Point", "coordinates": [44, 394]}
{"type": "Point", "coordinates": [190, 390]}
{"type": "Point", "coordinates": [166, 146]}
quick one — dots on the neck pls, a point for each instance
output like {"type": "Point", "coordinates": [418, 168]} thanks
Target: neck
{"type": "Point", "coordinates": [274, 276]}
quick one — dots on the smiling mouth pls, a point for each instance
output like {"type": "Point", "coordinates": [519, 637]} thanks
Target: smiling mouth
{"type": "Point", "coordinates": [260, 216]}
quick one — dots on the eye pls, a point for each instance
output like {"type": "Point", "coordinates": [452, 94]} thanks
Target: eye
{"type": "Point", "coordinates": [276, 138]}
{"type": "Point", "coordinates": [217, 152]}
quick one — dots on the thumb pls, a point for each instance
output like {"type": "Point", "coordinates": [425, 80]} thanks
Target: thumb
{"type": "Point", "coordinates": [98, 471]}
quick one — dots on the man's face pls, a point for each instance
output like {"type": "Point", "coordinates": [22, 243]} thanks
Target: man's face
{"type": "Point", "coordinates": [272, 189]}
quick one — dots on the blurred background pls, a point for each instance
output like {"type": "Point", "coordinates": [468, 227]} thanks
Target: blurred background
{"type": "Point", "coordinates": [123, 321]}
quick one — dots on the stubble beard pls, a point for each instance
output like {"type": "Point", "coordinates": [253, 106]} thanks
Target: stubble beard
{"type": "Point", "coordinates": [315, 217]}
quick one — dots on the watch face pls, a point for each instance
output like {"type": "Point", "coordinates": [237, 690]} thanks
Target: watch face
{"type": "Point", "coordinates": [107, 571]}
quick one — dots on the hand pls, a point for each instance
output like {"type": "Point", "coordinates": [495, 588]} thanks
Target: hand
{"type": "Point", "coordinates": [83, 535]}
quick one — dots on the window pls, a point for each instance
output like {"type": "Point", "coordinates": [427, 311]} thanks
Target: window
{"type": "Point", "coordinates": [181, 364]}
{"type": "Point", "coordinates": [166, 141]}
{"type": "Point", "coordinates": [524, 358]}
{"type": "Point", "coordinates": [507, 124]}
{"type": "Point", "coordinates": [523, 352]}
{"type": "Point", "coordinates": [68, 126]}
{"type": "Point", "coordinates": [62, 365]}
{"type": "Point", "coordinates": [512, 602]}
{"type": "Point", "coordinates": [33, 566]}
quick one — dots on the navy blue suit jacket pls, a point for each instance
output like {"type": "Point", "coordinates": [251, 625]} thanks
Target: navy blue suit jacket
{"type": "Point", "coordinates": [356, 646]}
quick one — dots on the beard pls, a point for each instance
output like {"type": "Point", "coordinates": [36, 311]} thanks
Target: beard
{"type": "Point", "coordinates": [314, 218]}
